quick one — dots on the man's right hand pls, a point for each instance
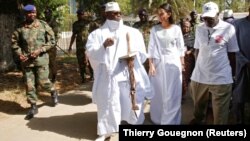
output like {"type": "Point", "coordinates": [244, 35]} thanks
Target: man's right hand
{"type": "Point", "coordinates": [108, 42]}
{"type": "Point", "coordinates": [152, 70]}
{"type": "Point", "coordinates": [23, 58]}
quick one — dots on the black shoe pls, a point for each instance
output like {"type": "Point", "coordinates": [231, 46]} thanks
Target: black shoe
{"type": "Point", "coordinates": [33, 111]}
{"type": "Point", "coordinates": [54, 97]}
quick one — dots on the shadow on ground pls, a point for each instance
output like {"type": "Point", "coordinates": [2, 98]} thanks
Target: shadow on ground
{"type": "Point", "coordinates": [79, 126]}
{"type": "Point", "coordinates": [11, 81]}
{"type": "Point", "coordinates": [10, 107]}
{"type": "Point", "coordinates": [75, 98]}
{"type": "Point", "coordinates": [13, 108]}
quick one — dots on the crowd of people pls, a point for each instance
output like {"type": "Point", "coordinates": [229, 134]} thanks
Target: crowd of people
{"type": "Point", "coordinates": [158, 62]}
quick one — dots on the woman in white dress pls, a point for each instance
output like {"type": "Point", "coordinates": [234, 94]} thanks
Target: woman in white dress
{"type": "Point", "coordinates": [166, 52]}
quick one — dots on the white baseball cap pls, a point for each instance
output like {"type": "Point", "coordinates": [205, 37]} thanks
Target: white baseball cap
{"type": "Point", "coordinates": [228, 13]}
{"type": "Point", "coordinates": [112, 6]}
{"type": "Point", "coordinates": [210, 9]}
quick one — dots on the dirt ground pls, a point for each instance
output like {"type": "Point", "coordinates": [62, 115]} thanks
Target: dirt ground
{"type": "Point", "coordinates": [12, 88]}
{"type": "Point", "coordinates": [73, 119]}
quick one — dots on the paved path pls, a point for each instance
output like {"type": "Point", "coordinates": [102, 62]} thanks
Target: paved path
{"type": "Point", "coordinates": [74, 119]}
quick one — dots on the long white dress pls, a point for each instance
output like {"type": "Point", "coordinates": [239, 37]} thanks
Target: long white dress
{"type": "Point", "coordinates": [111, 86]}
{"type": "Point", "coordinates": [166, 46]}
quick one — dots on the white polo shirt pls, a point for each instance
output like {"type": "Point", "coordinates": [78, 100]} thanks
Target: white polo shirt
{"type": "Point", "coordinates": [212, 65]}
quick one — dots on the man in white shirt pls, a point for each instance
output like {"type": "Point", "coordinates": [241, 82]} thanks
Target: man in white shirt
{"type": "Point", "coordinates": [216, 45]}
{"type": "Point", "coordinates": [111, 89]}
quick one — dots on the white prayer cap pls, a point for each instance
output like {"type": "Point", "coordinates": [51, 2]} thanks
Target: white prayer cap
{"type": "Point", "coordinates": [210, 9]}
{"type": "Point", "coordinates": [228, 13]}
{"type": "Point", "coordinates": [112, 6]}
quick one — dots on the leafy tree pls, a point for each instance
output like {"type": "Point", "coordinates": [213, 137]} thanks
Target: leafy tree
{"type": "Point", "coordinates": [94, 5]}
{"type": "Point", "coordinates": [59, 8]}
{"type": "Point", "coordinates": [91, 5]}
{"type": "Point", "coordinates": [181, 8]}
{"type": "Point", "coordinates": [125, 6]}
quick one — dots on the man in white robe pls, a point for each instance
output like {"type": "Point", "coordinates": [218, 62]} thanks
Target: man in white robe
{"type": "Point", "coordinates": [111, 88]}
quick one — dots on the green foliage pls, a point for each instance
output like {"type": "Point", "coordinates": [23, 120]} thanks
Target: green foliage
{"type": "Point", "coordinates": [236, 5]}
{"type": "Point", "coordinates": [125, 6]}
{"type": "Point", "coordinates": [68, 22]}
{"type": "Point", "coordinates": [59, 9]}
{"type": "Point", "coordinates": [94, 5]}
{"type": "Point", "coordinates": [181, 8]}
{"type": "Point", "coordinates": [90, 5]}
{"type": "Point", "coordinates": [239, 6]}
{"type": "Point", "coordinates": [41, 5]}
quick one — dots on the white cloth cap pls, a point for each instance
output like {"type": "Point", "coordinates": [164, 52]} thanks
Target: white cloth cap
{"type": "Point", "coordinates": [112, 6]}
{"type": "Point", "coordinates": [210, 9]}
{"type": "Point", "coordinates": [228, 13]}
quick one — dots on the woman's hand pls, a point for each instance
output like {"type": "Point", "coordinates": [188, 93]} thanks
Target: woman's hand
{"type": "Point", "coordinates": [152, 70]}
{"type": "Point", "coordinates": [183, 67]}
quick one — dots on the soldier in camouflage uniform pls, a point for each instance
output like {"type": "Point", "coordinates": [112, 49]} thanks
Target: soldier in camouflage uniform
{"type": "Point", "coordinates": [101, 17]}
{"type": "Point", "coordinates": [30, 41]}
{"type": "Point", "coordinates": [53, 51]}
{"type": "Point", "coordinates": [194, 21]}
{"type": "Point", "coordinates": [81, 29]}
{"type": "Point", "coordinates": [144, 25]}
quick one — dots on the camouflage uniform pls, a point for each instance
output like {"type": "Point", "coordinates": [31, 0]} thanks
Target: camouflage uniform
{"type": "Point", "coordinates": [144, 28]}
{"type": "Point", "coordinates": [82, 28]}
{"type": "Point", "coordinates": [99, 22]}
{"type": "Point", "coordinates": [53, 51]}
{"type": "Point", "coordinates": [26, 39]}
{"type": "Point", "coordinates": [194, 21]}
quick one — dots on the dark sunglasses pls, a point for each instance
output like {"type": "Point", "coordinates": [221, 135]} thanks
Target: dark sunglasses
{"type": "Point", "coordinates": [208, 19]}
{"type": "Point", "coordinates": [116, 13]}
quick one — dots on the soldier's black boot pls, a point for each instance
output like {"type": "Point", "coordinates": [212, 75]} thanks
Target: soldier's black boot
{"type": "Point", "coordinates": [54, 96]}
{"type": "Point", "coordinates": [32, 111]}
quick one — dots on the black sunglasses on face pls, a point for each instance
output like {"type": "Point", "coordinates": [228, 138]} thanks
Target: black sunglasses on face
{"type": "Point", "coordinates": [116, 13]}
{"type": "Point", "coordinates": [208, 19]}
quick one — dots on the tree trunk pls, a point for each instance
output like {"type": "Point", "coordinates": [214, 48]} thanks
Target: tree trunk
{"type": "Point", "coordinates": [8, 14]}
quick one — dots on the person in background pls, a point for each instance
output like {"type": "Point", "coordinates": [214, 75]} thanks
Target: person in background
{"type": "Point", "coordinates": [215, 44]}
{"type": "Point", "coordinates": [51, 21]}
{"type": "Point", "coordinates": [101, 17]}
{"type": "Point", "coordinates": [194, 20]}
{"type": "Point", "coordinates": [228, 16]}
{"type": "Point", "coordinates": [144, 26]}
{"type": "Point", "coordinates": [112, 85]}
{"type": "Point", "coordinates": [31, 41]}
{"type": "Point", "coordinates": [166, 61]}
{"type": "Point", "coordinates": [189, 58]}
{"type": "Point", "coordinates": [81, 29]}
{"type": "Point", "coordinates": [241, 93]}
